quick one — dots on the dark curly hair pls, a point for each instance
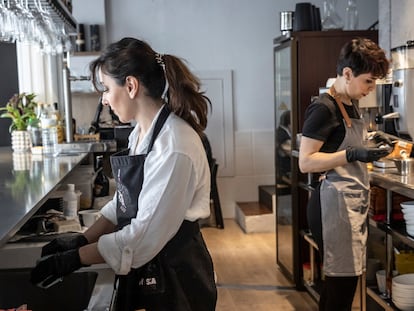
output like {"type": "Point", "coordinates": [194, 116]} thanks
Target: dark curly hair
{"type": "Point", "coordinates": [363, 56]}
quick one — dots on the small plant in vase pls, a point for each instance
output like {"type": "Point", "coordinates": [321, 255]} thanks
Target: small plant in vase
{"type": "Point", "coordinates": [21, 110]}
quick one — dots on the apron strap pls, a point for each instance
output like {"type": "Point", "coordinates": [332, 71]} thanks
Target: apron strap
{"type": "Point", "coordinates": [165, 112]}
{"type": "Point", "coordinates": [345, 115]}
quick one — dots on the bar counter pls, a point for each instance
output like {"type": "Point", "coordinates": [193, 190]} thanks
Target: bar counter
{"type": "Point", "coordinates": [26, 180]}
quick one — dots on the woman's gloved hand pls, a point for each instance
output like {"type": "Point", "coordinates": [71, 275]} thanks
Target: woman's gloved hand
{"type": "Point", "coordinates": [381, 138]}
{"type": "Point", "coordinates": [64, 243]}
{"type": "Point", "coordinates": [364, 154]}
{"type": "Point", "coordinates": [53, 267]}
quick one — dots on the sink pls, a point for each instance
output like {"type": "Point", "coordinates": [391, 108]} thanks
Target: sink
{"type": "Point", "coordinates": [72, 294]}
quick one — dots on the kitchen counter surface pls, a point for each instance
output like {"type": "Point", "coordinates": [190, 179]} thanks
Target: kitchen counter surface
{"type": "Point", "coordinates": [389, 179]}
{"type": "Point", "coordinates": [26, 180]}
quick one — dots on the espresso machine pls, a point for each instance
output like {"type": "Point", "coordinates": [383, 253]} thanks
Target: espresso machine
{"type": "Point", "coordinates": [403, 89]}
{"type": "Point", "coordinates": [109, 126]}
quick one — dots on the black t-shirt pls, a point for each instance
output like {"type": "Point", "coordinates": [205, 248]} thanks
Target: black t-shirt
{"type": "Point", "coordinates": [324, 122]}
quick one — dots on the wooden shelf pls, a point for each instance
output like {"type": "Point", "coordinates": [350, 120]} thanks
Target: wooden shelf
{"type": "Point", "coordinates": [384, 303]}
{"type": "Point", "coordinates": [400, 234]}
{"type": "Point", "coordinates": [86, 53]}
{"type": "Point", "coordinates": [91, 93]}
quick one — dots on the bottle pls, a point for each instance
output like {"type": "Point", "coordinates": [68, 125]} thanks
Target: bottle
{"type": "Point", "coordinates": [70, 203]}
{"type": "Point", "coordinates": [59, 124]}
{"type": "Point", "coordinates": [49, 131]}
{"type": "Point", "coordinates": [35, 131]}
{"type": "Point", "coordinates": [351, 21]}
{"type": "Point", "coordinates": [101, 182]}
{"type": "Point", "coordinates": [80, 39]}
{"type": "Point", "coordinates": [95, 38]}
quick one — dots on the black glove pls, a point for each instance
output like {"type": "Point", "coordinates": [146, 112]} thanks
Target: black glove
{"type": "Point", "coordinates": [381, 138]}
{"type": "Point", "coordinates": [53, 267]}
{"type": "Point", "coordinates": [365, 154]}
{"type": "Point", "coordinates": [64, 243]}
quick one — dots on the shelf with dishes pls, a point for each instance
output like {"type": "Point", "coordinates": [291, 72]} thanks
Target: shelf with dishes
{"type": "Point", "coordinates": [397, 231]}
{"type": "Point", "coordinates": [389, 194]}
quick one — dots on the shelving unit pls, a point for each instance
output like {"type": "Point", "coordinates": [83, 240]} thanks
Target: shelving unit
{"type": "Point", "coordinates": [392, 182]}
{"type": "Point", "coordinates": [312, 286]}
{"type": "Point", "coordinates": [386, 304]}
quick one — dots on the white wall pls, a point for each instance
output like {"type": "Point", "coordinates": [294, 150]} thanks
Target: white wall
{"type": "Point", "coordinates": [232, 35]}
{"type": "Point", "coordinates": [217, 35]}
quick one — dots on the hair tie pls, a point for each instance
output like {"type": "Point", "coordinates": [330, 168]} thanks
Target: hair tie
{"type": "Point", "coordinates": [160, 61]}
{"type": "Point", "coordinates": [159, 58]}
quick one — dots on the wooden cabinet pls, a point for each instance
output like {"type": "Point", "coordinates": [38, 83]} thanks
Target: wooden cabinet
{"type": "Point", "coordinates": [302, 64]}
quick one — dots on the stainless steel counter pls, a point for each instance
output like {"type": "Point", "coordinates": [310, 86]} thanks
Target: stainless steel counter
{"type": "Point", "coordinates": [389, 179]}
{"type": "Point", "coordinates": [26, 180]}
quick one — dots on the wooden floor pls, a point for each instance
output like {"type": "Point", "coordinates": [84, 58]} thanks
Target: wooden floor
{"type": "Point", "coordinates": [247, 275]}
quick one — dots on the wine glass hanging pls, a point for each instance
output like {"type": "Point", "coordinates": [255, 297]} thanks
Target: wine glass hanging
{"type": "Point", "coordinates": [29, 22]}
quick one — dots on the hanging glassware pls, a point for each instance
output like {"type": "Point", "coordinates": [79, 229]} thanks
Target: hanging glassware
{"type": "Point", "coordinates": [42, 23]}
{"type": "Point", "coordinates": [331, 19]}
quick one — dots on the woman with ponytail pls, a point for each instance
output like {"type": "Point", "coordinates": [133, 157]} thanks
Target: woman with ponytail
{"type": "Point", "coordinates": [149, 234]}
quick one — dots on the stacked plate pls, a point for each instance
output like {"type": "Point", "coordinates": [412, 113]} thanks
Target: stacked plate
{"type": "Point", "coordinates": [408, 212]}
{"type": "Point", "coordinates": [402, 291]}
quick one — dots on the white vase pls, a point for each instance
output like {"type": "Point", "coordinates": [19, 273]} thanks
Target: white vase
{"type": "Point", "coordinates": [21, 141]}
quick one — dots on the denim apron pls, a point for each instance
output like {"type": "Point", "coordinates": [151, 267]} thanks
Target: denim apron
{"type": "Point", "coordinates": [344, 196]}
{"type": "Point", "coordinates": [180, 277]}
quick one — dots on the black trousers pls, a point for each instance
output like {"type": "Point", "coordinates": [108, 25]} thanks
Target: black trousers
{"type": "Point", "coordinates": [337, 292]}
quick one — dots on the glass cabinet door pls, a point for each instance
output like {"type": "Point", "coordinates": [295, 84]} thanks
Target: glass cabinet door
{"type": "Point", "coordinates": [283, 147]}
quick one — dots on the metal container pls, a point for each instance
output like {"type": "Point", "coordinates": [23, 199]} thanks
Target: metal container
{"type": "Point", "coordinates": [405, 166]}
{"type": "Point", "coordinates": [286, 22]}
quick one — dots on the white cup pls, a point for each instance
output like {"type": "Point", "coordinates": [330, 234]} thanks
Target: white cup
{"type": "Point", "coordinates": [90, 216]}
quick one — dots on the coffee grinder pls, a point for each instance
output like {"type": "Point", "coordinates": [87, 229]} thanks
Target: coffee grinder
{"type": "Point", "coordinates": [403, 88]}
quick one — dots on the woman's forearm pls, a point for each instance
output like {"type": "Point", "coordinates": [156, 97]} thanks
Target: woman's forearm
{"type": "Point", "coordinates": [321, 161]}
{"type": "Point", "coordinates": [100, 227]}
{"type": "Point", "coordinates": [90, 255]}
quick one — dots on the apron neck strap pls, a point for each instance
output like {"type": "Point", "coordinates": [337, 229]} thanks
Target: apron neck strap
{"type": "Point", "coordinates": [165, 112]}
{"type": "Point", "coordinates": [337, 98]}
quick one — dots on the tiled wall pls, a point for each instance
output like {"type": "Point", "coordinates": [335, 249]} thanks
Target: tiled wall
{"type": "Point", "coordinates": [254, 166]}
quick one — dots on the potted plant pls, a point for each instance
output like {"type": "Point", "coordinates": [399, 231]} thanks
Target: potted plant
{"type": "Point", "coordinates": [21, 110]}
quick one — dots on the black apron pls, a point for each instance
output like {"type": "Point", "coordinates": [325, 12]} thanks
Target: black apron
{"type": "Point", "coordinates": [181, 276]}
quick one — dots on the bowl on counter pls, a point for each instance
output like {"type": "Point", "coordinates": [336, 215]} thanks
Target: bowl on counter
{"type": "Point", "coordinates": [405, 166]}
{"type": "Point", "coordinates": [89, 216]}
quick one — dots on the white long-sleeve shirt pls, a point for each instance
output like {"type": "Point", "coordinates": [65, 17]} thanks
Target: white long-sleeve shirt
{"type": "Point", "coordinates": [176, 187]}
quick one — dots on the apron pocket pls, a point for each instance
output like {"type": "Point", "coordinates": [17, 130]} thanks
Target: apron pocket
{"type": "Point", "coordinates": [353, 207]}
{"type": "Point", "coordinates": [151, 279]}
